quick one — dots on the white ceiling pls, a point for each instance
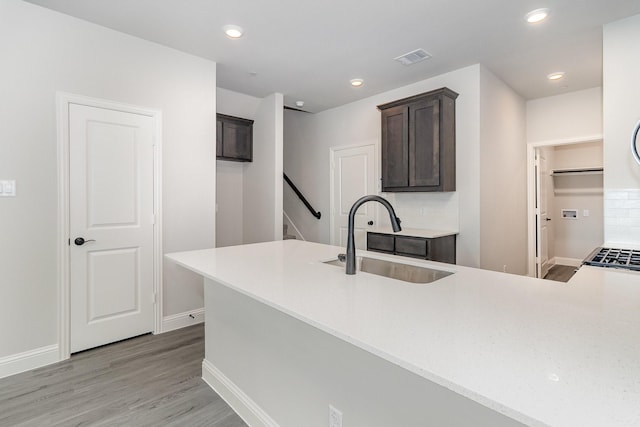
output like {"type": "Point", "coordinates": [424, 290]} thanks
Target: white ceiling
{"type": "Point", "coordinates": [309, 50]}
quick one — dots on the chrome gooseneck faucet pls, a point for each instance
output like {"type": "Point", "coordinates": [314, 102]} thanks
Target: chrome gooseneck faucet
{"type": "Point", "coordinates": [351, 246]}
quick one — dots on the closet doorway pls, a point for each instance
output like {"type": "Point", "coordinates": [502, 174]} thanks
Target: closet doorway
{"type": "Point", "coordinates": [566, 207]}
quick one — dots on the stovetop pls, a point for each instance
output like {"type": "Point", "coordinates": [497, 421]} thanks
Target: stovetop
{"type": "Point", "coordinates": [616, 258]}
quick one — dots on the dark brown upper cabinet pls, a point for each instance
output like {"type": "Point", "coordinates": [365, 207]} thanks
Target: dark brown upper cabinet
{"type": "Point", "coordinates": [234, 138]}
{"type": "Point", "coordinates": [419, 142]}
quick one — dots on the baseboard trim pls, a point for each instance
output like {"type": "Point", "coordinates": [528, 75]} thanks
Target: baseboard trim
{"type": "Point", "coordinates": [571, 262]}
{"type": "Point", "coordinates": [28, 360]}
{"type": "Point", "coordinates": [182, 320]}
{"type": "Point", "coordinates": [243, 405]}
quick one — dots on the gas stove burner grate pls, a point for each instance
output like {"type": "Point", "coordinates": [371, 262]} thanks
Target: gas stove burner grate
{"type": "Point", "coordinates": [616, 258]}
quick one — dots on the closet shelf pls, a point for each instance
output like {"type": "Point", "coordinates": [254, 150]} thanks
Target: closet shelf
{"type": "Point", "coordinates": [577, 171]}
{"type": "Point", "coordinates": [578, 191]}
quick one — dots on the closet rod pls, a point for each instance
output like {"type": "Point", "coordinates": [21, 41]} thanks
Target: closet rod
{"type": "Point", "coordinates": [582, 171]}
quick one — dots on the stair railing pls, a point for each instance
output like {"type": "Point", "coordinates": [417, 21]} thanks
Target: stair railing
{"type": "Point", "coordinates": [301, 196]}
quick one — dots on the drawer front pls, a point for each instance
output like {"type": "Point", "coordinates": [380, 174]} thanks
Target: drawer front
{"type": "Point", "coordinates": [411, 246]}
{"type": "Point", "coordinates": [380, 242]}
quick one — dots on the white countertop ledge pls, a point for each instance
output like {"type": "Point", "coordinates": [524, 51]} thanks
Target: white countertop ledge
{"type": "Point", "coordinates": [541, 352]}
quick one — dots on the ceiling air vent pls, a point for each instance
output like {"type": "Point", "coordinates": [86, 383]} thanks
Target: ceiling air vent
{"type": "Point", "coordinates": [413, 57]}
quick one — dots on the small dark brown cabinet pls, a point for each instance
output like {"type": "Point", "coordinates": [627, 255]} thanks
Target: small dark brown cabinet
{"type": "Point", "coordinates": [441, 249]}
{"type": "Point", "coordinates": [234, 138]}
{"type": "Point", "coordinates": [419, 142]}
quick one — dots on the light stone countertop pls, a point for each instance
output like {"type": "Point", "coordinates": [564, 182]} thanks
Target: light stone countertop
{"type": "Point", "coordinates": [414, 232]}
{"type": "Point", "coordinates": [541, 352]}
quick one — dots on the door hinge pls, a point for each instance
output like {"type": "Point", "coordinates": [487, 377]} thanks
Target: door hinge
{"type": "Point", "coordinates": [153, 219]}
{"type": "Point", "coordinates": [154, 297]}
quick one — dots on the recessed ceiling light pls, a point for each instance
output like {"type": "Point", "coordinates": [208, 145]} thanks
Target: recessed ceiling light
{"type": "Point", "coordinates": [555, 76]}
{"type": "Point", "coordinates": [537, 15]}
{"type": "Point", "coordinates": [357, 82]}
{"type": "Point", "coordinates": [233, 31]}
{"type": "Point", "coordinates": [299, 104]}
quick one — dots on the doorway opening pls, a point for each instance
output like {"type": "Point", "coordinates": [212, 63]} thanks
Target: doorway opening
{"type": "Point", "coordinates": [566, 207]}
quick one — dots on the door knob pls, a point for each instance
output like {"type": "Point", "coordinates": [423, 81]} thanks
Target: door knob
{"type": "Point", "coordinates": [370, 223]}
{"type": "Point", "coordinates": [548, 219]}
{"type": "Point", "coordinates": [80, 241]}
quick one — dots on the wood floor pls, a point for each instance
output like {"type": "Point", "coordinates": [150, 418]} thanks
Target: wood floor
{"type": "Point", "coordinates": [561, 273]}
{"type": "Point", "coordinates": [145, 381]}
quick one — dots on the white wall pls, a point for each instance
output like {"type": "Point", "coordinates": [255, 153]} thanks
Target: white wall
{"type": "Point", "coordinates": [309, 137]}
{"type": "Point", "coordinates": [621, 99]}
{"type": "Point", "coordinates": [229, 175]}
{"type": "Point", "coordinates": [229, 183]}
{"type": "Point", "coordinates": [575, 239]}
{"type": "Point", "coordinates": [262, 190]}
{"type": "Point", "coordinates": [574, 115]}
{"type": "Point", "coordinates": [580, 155]}
{"type": "Point", "coordinates": [44, 52]}
{"type": "Point", "coordinates": [503, 165]}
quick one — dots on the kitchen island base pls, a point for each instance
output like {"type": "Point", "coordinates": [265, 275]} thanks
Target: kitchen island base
{"type": "Point", "coordinates": [274, 369]}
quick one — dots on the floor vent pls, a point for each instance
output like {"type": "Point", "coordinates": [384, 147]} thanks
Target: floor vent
{"type": "Point", "coordinates": [412, 57]}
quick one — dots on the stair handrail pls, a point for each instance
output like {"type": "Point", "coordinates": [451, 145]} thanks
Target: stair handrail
{"type": "Point", "coordinates": [301, 196]}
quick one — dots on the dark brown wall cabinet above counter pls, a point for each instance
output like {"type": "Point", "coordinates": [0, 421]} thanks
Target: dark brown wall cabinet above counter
{"type": "Point", "coordinates": [419, 142]}
{"type": "Point", "coordinates": [441, 249]}
{"type": "Point", "coordinates": [234, 138]}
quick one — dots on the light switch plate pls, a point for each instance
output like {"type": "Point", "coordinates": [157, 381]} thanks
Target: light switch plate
{"type": "Point", "coordinates": [7, 188]}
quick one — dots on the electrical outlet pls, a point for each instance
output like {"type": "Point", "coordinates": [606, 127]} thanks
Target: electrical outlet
{"type": "Point", "coordinates": [335, 417]}
{"type": "Point", "coordinates": [7, 188]}
{"type": "Point", "coordinates": [504, 268]}
{"type": "Point", "coordinates": [586, 212]}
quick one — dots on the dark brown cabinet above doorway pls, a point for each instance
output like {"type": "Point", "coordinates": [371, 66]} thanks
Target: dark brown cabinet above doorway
{"type": "Point", "coordinates": [419, 142]}
{"type": "Point", "coordinates": [234, 138]}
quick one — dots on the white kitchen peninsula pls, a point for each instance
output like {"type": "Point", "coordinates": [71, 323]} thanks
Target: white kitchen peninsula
{"type": "Point", "coordinates": [287, 335]}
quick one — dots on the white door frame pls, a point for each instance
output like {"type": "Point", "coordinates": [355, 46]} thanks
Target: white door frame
{"type": "Point", "coordinates": [332, 151]}
{"type": "Point", "coordinates": [531, 191]}
{"type": "Point", "coordinates": [63, 100]}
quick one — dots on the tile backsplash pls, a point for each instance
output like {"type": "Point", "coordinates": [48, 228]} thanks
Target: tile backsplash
{"type": "Point", "coordinates": [434, 211]}
{"type": "Point", "coordinates": [622, 215]}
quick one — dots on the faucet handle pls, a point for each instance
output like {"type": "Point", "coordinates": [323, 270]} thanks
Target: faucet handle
{"type": "Point", "coordinates": [342, 257]}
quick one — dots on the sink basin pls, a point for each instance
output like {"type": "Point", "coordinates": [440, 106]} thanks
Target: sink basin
{"type": "Point", "coordinates": [394, 270]}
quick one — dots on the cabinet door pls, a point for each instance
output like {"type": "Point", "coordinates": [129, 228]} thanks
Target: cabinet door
{"type": "Point", "coordinates": [395, 151]}
{"type": "Point", "coordinates": [424, 143]}
{"type": "Point", "coordinates": [411, 246]}
{"type": "Point", "coordinates": [380, 242]}
{"type": "Point", "coordinates": [442, 249]}
{"type": "Point", "coordinates": [237, 141]}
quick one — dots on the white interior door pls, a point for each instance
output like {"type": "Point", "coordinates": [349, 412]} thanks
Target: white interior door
{"type": "Point", "coordinates": [542, 216]}
{"type": "Point", "coordinates": [353, 176]}
{"type": "Point", "coordinates": [111, 181]}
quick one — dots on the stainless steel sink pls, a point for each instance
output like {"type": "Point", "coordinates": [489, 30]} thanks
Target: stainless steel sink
{"type": "Point", "coordinates": [394, 270]}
